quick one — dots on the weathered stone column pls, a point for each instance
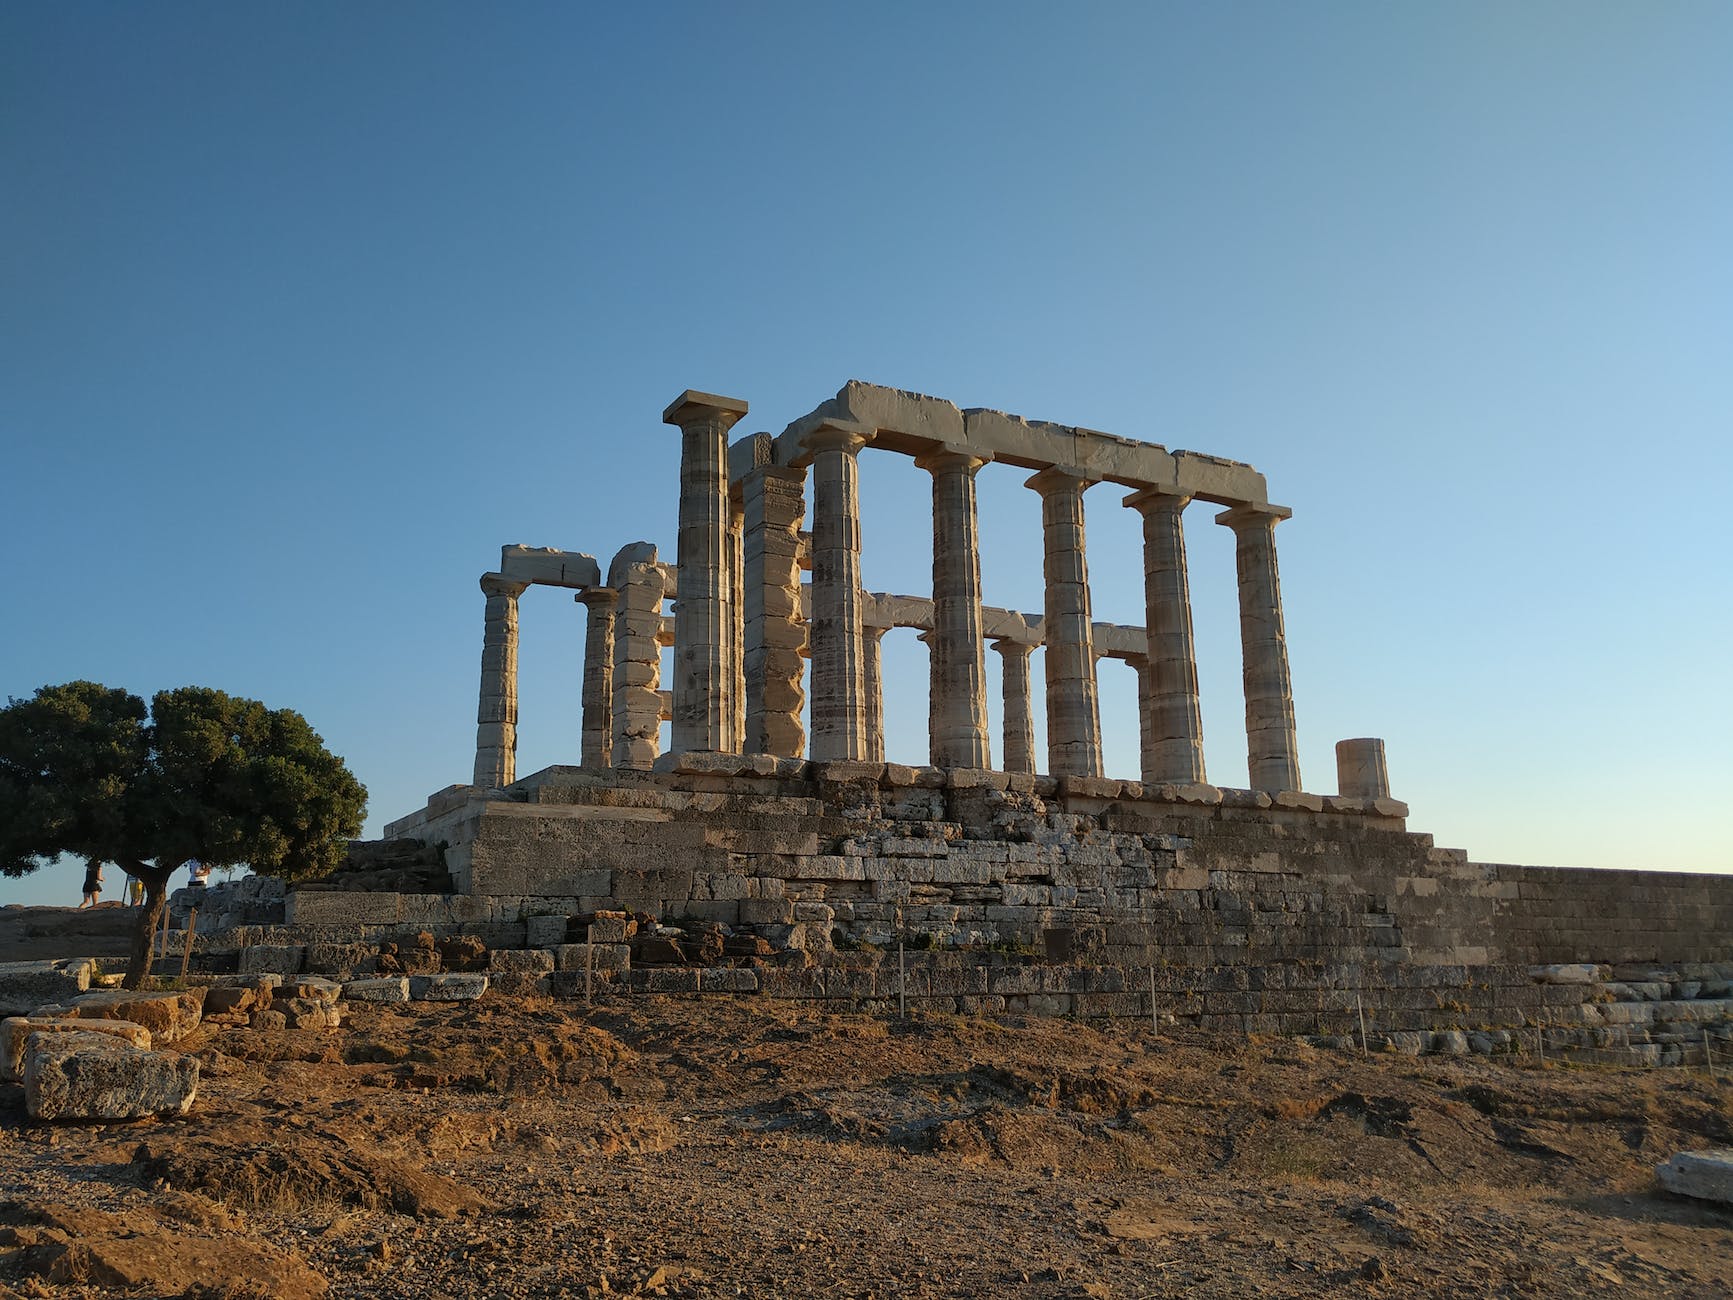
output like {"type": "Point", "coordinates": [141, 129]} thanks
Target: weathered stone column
{"type": "Point", "coordinates": [775, 503]}
{"type": "Point", "coordinates": [838, 684]}
{"type": "Point", "coordinates": [873, 672]}
{"type": "Point", "coordinates": [736, 630]}
{"type": "Point", "coordinates": [1272, 753]}
{"type": "Point", "coordinates": [702, 623]}
{"type": "Point", "coordinates": [1173, 731]}
{"type": "Point", "coordinates": [1019, 722]}
{"type": "Point", "coordinates": [1145, 718]}
{"type": "Point", "coordinates": [496, 719]}
{"type": "Point", "coordinates": [1361, 772]}
{"type": "Point", "coordinates": [637, 721]}
{"type": "Point", "coordinates": [1073, 709]}
{"type": "Point", "coordinates": [598, 695]}
{"type": "Point", "coordinates": [957, 717]}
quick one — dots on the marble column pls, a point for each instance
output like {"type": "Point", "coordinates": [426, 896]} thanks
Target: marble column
{"type": "Point", "coordinates": [1361, 772]}
{"type": "Point", "coordinates": [838, 684]}
{"type": "Point", "coordinates": [1173, 734]}
{"type": "Point", "coordinates": [637, 713]}
{"type": "Point", "coordinates": [735, 632]}
{"type": "Point", "coordinates": [598, 697]}
{"type": "Point", "coordinates": [702, 618]}
{"type": "Point", "coordinates": [496, 718]}
{"type": "Point", "coordinates": [1145, 719]}
{"type": "Point", "coordinates": [1272, 754]}
{"type": "Point", "coordinates": [1073, 709]}
{"type": "Point", "coordinates": [872, 670]}
{"type": "Point", "coordinates": [774, 503]}
{"type": "Point", "coordinates": [957, 727]}
{"type": "Point", "coordinates": [1019, 722]}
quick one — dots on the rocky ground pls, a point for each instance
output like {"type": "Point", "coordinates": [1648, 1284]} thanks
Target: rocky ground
{"type": "Point", "coordinates": [742, 1147]}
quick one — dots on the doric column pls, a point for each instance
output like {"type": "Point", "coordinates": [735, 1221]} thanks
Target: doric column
{"type": "Point", "coordinates": [496, 719]}
{"type": "Point", "coordinates": [838, 706]}
{"type": "Point", "coordinates": [598, 675]}
{"type": "Point", "coordinates": [873, 674]}
{"type": "Point", "coordinates": [774, 503]}
{"type": "Point", "coordinates": [1019, 722]}
{"type": "Point", "coordinates": [702, 623]}
{"type": "Point", "coordinates": [1073, 710]}
{"type": "Point", "coordinates": [1361, 772]}
{"type": "Point", "coordinates": [637, 719]}
{"type": "Point", "coordinates": [1271, 750]}
{"type": "Point", "coordinates": [1173, 731]}
{"type": "Point", "coordinates": [958, 691]}
{"type": "Point", "coordinates": [1145, 718]}
{"type": "Point", "coordinates": [736, 630]}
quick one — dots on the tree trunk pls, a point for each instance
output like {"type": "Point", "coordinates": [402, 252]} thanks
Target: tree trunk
{"type": "Point", "coordinates": [149, 922]}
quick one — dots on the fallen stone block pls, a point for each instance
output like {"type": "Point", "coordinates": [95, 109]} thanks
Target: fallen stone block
{"type": "Point", "coordinates": [168, 1016]}
{"type": "Point", "coordinates": [382, 988]}
{"type": "Point", "coordinates": [26, 985]}
{"type": "Point", "coordinates": [1568, 973]}
{"type": "Point", "coordinates": [520, 961]}
{"type": "Point", "coordinates": [309, 1013]}
{"type": "Point", "coordinates": [314, 987]}
{"type": "Point", "coordinates": [266, 1021]}
{"type": "Point", "coordinates": [463, 987]}
{"type": "Point", "coordinates": [1704, 1175]}
{"type": "Point", "coordinates": [229, 1001]}
{"type": "Point", "coordinates": [16, 1029]}
{"type": "Point", "coordinates": [96, 1076]}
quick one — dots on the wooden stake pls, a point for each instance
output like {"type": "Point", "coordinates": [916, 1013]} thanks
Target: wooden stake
{"type": "Point", "coordinates": [187, 953]}
{"type": "Point", "coordinates": [1361, 1010]}
{"type": "Point", "coordinates": [162, 948]}
{"type": "Point", "coordinates": [1154, 1019]}
{"type": "Point", "coordinates": [589, 960]}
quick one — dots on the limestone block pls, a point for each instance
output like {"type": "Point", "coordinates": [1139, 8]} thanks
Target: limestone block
{"type": "Point", "coordinates": [391, 988]}
{"type": "Point", "coordinates": [1570, 973]}
{"type": "Point", "coordinates": [447, 988]}
{"type": "Point", "coordinates": [168, 1016]}
{"type": "Point", "coordinates": [766, 911]}
{"type": "Point", "coordinates": [313, 988]}
{"type": "Point", "coordinates": [272, 959]}
{"type": "Point", "coordinates": [545, 931]}
{"type": "Point", "coordinates": [99, 1076]}
{"type": "Point", "coordinates": [26, 985]}
{"type": "Point", "coordinates": [15, 1030]}
{"type": "Point", "coordinates": [727, 979]}
{"type": "Point", "coordinates": [1703, 1175]}
{"type": "Point", "coordinates": [608, 957]}
{"type": "Point", "coordinates": [549, 567]}
{"type": "Point", "coordinates": [309, 1013]}
{"type": "Point", "coordinates": [520, 961]}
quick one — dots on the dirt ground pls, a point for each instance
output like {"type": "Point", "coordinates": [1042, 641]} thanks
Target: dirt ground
{"type": "Point", "coordinates": [751, 1148]}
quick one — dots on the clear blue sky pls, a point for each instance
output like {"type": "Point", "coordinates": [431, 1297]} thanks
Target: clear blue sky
{"type": "Point", "coordinates": [306, 309]}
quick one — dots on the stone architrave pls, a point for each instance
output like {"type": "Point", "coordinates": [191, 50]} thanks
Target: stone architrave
{"type": "Point", "coordinates": [838, 684]}
{"type": "Point", "coordinates": [1361, 772]}
{"type": "Point", "coordinates": [1073, 708]}
{"type": "Point", "coordinates": [1173, 729]}
{"type": "Point", "coordinates": [1019, 722]}
{"type": "Point", "coordinates": [957, 717]}
{"type": "Point", "coordinates": [598, 690]}
{"type": "Point", "coordinates": [641, 585]}
{"type": "Point", "coordinates": [1272, 753]}
{"type": "Point", "coordinates": [703, 632]}
{"type": "Point", "coordinates": [872, 670]}
{"type": "Point", "coordinates": [774, 501]}
{"type": "Point", "coordinates": [496, 718]}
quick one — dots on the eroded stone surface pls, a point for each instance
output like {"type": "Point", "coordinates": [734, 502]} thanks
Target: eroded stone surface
{"type": "Point", "coordinates": [97, 1076]}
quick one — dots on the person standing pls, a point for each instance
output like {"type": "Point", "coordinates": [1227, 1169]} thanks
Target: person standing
{"type": "Point", "coordinates": [92, 883]}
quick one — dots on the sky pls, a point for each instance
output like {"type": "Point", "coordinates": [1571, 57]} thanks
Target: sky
{"type": "Point", "coordinates": [305, 310]}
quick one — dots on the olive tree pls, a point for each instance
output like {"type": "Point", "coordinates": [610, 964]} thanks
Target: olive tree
{"type": "Point", "coordinates": [88, 770]}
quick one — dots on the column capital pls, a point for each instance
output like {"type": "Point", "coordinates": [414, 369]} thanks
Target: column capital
{"type": "Point", "coordinates": [838, 435]}
{"type": "Point", "coordinates": [692, 407]}
{"type": "Point", "coordinates": [947, 460]}
{"type": "Point", "coordinates": [598, 597]}
{"type": "Point", "coordinates": [1008, 647]}
{"type": "Point", "coordinates": [497, 584]}
{"type": "Point", "coordinates": [1254, 514]}
{"type": "Point", "coordinates": [1150, 500]}
{"type": "Point", "coordinates": [1054, 479]}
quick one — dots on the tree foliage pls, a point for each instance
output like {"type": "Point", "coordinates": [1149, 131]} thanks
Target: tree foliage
{"type": "Point", "coordinates": [86, 770]}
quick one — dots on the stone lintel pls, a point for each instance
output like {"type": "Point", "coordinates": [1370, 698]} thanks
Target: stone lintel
{"type": "Point", "coordinates": [693, 405]}
{"type": "Point", "coordinates": [549, 567]}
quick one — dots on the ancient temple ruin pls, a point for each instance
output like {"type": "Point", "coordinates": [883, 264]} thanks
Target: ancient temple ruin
{"type": "Point", "coordinates": [744, 623]}
{"type": "Point", "coordinates": [992, 877]}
